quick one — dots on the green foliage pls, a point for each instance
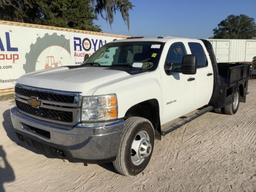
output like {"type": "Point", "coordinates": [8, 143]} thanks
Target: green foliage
{"type": "Point", "coordinates": [64, 13]}
{"type": "Point", "coordinates": [107, 9]}
{"type": "Point", "coordinates": [236, 27]}
{"type": "Point", "coordinates": [67, 13]}
{"type": "Point", "coordinates": [20, 10]}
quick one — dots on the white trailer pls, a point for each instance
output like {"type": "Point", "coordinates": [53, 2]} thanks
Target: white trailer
{"type": "Point", "coordinates": [26, 48]}
{"type": "Point", "coordinates": [234, 50]}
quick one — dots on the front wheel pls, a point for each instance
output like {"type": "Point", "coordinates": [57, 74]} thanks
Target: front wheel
{"type": "Point", "coordinates": [136, 146]}
{"type": "Point", "coordinates": [233, 107]}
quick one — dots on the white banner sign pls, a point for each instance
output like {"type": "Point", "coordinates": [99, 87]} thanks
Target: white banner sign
{"type": "Point", "coordinates": [26, 48]}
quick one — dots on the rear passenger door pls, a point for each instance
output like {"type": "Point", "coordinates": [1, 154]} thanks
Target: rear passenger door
{"type": "Point", "coordinates": [204, 74]}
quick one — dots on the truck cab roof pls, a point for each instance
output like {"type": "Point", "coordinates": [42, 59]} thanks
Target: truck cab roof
{"type": "Point", "coordinates": [162, 39]}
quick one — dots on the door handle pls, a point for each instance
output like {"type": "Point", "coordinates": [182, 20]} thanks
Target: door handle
{"type": "Point", "coordinates": [191, 79]}
{"type": "Point", "coordinates": [209, 74]}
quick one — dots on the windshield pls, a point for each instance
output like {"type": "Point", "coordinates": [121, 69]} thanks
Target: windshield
{"type": "Point", "coordinates": [144, 55]}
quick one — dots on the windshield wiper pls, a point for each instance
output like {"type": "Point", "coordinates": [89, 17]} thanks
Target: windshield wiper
{"type": "Point", "coordinates": [84, 65]}
{"type": "Point", "coordinates": [144, 67]}
{"type": "Point", "coordinates": [92, 64]}
{"type": "Point", "coordinates": [120, 65]}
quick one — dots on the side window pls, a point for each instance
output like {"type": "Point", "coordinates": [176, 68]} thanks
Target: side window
{"type": "Point", "coordinates": [175, 55]}
{"type": "Point", "coordinates": [198, 51]}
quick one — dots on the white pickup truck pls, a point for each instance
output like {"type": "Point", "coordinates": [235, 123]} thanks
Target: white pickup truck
{"type": "Point", "coordinates": [129, 92]}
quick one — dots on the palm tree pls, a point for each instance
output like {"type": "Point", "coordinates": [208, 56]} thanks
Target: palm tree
{"type": "Point", "coordinates": [107, 9]}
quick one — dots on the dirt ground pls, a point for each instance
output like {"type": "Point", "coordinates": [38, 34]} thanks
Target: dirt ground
{"type": "Point", "coordinates": [215, 152]}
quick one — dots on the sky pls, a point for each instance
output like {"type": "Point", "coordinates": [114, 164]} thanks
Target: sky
{"type": "Point", "coordinates": [186, 18]}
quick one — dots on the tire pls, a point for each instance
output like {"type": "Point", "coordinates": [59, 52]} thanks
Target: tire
{"type": "Point", "coordinates": [137, 141]}
{"type": "Point", "coordinates": [232, 108]}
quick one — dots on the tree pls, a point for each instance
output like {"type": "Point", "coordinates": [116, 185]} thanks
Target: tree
{"type": "Point", "coordinates": [16, 10]}
{"type": "Point", "coordinates": [65, 13]}
{"type": "Point", "coordinates": [109, 7]}
{"type": "Point", "coordinates": [236, 27]}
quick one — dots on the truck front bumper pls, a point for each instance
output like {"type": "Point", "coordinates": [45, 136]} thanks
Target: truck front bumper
{"type": "Point", "coordinates": [90, 141]}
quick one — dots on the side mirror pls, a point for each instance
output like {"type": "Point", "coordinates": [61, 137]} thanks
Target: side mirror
{"type": "Point", "coordinates": [188, 66]}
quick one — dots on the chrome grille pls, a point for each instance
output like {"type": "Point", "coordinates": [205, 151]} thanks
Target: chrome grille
{"type": "Point", "coordinates": [44, 95]}
{"type": "Point", "coordinates": [56, 106]}
{"type": "Point", "coordinates": [46, 113]}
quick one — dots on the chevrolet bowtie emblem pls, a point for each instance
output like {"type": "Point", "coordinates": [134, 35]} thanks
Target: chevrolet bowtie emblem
{"type": "Point", "coordinates": [34, 102]}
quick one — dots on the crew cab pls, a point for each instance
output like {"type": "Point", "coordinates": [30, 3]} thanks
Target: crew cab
{"type": "Point", "coordinates": [129, 92]}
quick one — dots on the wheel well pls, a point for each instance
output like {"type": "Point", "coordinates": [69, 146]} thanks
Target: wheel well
{"type": "Point", "coordinates": [147, 109]}
{"type": "Point", "coordinates": [241, 90]}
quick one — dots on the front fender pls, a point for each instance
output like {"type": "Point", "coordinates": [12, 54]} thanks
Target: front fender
{"type": "Point", "coordinates": [133, 91]}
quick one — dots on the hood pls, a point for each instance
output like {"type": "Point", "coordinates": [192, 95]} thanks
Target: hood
{"type": "Point", "coordinates": [85, 79]}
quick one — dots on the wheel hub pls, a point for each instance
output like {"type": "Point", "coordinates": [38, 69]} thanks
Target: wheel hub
{"type": "Point", "coordinates": [141, 148]}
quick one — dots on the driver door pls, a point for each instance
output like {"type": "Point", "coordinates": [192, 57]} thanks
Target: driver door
{"type": "Point", "coordinates": [179, 92]}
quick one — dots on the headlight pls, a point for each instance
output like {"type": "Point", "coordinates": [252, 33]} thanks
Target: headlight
{"type": "Point", "coordinates": [99, 108]}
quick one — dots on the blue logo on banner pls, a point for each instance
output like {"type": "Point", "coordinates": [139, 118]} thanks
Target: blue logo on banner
{"type": "Point", "coordinates": [86, 44]}
{"type": "Point", "coordinates": [5, 44]}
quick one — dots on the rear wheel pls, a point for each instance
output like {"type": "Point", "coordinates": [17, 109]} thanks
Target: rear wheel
{"type": "Point", "coordinates": [232, 108]}
{"type": "Point", "coordinates": [136, 146]}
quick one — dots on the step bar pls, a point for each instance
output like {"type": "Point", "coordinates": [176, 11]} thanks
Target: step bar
{"type": "Point", "coordinates": [186, 119]}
